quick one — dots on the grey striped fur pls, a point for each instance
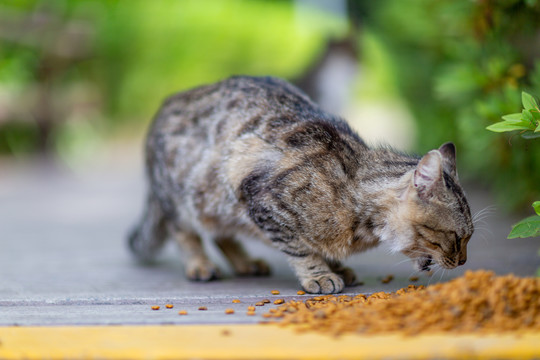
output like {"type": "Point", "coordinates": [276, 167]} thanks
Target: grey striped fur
{"type": "Point", "coordinates": [255, 157]}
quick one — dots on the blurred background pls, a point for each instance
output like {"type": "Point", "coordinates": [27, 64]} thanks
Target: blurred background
{"type": "Point", "coordinates": [80, 80]}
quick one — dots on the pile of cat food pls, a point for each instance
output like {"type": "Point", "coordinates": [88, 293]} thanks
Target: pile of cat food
{"type": "Point", "coordinates": [478, 302]}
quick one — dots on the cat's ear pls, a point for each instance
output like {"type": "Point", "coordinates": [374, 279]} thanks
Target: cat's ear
{"type": "Point", "coordinates": [428, 174]}
{"type": "Point", "coordinates": [448, 152]}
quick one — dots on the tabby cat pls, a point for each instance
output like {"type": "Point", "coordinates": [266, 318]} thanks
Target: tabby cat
{"type": "Point", "coordinates": [255, 157]}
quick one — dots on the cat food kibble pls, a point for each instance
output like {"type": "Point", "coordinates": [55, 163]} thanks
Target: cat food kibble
{"type": "Point", "coordinates": [274, 292]}
{"type": "Point", "coordinates": [236, 301]}
{"type": "Point", "coordinates": [251, 308]}
{"type": "Point", "coordinates": [413, 278]}
{"type": "Point", "coordinates": [169, 306]}
{"type": "Point", "coordinates": [155, 307]}
{"type": "Point", "coordinates": [260, 303]}
{"type": "Point", "coordinates": [229, 311]}
{"type": "Point", "coordinates": [182, 312]}
{"type": "Point", "coordinates": [301, 292]}
{"type": "Point", "coordinates": [203, 308]}
{"type": "Point", "coordinates": [250, 313]}
{"type": "Point", "coordinates": [478, 302]}
{"type": "Point", "coordinates": [279, 301]}
{"type": "Point", "coordinates": [266, 301]}
{"type": "Point", "coordinates": [387, 279]}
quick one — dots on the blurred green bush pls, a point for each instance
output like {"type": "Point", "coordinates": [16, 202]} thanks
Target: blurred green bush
{"type": "Point", "coordinates": [460, 65]}
{"type": "Point", "coordinates": [74, 70]}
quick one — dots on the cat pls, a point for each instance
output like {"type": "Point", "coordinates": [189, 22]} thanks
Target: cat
{"type": "Point", "coordinates": [254, 156]}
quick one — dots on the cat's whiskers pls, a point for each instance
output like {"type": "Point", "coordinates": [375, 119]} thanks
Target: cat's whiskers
{"type": "Point", "coordinates": [437, 268]}
{"type": "Point", "coordinates": [442, 274]}
{"type": "Point", "coordinates": [403, 261]}
{"type": "Point", "coordinates": [482, 232]}
{"type": "Point", "coordinates": [484, 213]}
{"type": "Point", "coordinates": [480, 223]}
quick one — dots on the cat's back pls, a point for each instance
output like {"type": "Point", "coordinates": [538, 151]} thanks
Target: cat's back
{"type": "Point", "coordinates": [244, 123]}
{"type": "Point", "coordinates": [225, 105]}
{"type": "Point", "coordinates": [238, 106]}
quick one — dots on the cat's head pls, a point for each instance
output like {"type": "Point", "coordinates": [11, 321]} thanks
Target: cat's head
{"type": "Point", "coordinates": [435, 218]}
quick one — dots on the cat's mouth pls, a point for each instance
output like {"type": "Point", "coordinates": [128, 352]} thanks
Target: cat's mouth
{"type": "Point", "coordinates": [424, 263]}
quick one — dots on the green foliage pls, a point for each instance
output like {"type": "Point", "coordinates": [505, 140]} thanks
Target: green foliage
{"type": "Point", "coordinates": [536, 206]}
{"type": "Point", "coordinates": [527, 121]}
{"type": "Point", "coordinates": [528, 227]}
{"type": "Point", "coordinates": [137, 53]}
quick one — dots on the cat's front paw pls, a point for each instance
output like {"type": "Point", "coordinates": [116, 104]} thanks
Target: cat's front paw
{"type": "Point", "coordinates": [198, 270]}
{"type": "Point", "coordinates": [329, 283]}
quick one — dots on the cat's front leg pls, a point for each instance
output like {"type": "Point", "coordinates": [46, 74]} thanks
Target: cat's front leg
{"type": "Point", "coordinates": [315, 275]}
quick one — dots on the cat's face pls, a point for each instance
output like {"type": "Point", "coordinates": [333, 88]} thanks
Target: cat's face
{"type": "Point", "coordinates": [435, 214]}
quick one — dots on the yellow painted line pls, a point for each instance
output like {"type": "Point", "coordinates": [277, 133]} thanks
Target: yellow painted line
{"type": "Point", "coordinates": [248, 342]}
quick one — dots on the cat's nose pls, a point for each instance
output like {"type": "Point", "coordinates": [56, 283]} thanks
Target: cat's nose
{"type": "Point", "coordinates": [462, 262]}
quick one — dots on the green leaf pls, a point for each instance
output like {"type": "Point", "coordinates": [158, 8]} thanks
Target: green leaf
{"type": "Point", "coordinates": [516, 119]}
{"type": "Point", "coordinates": [528, 227]}
{"type": "Point", "coordinates": [535, 114]}
{"type": "Point", "coordinates": [528, 101]}
{"type": "Point", "coordinates": [526, 114]}
{"type": "Point", "coordinates": [529, 135]}
{"type": "Point", "coordinates": [513, 117]}
{"type": "Point", "coordinates": [537, 129]}
{"type": "Point", "coordinates": [506, 126]}
{"type": "Point", "coordinates": [536, 206]}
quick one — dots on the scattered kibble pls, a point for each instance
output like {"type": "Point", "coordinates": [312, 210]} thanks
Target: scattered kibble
{"type": "Point", "coordinates": [169, 306]}
{"type": "Point", "coordinates": [301, 292]}
{"type": "Point", "coordinates": [478, 302]}
{"type": "Point", "coordinates": [387, 279]}
{"type": "Point", "coordinates": [203, 308]}
{"type": "Point", "coordinates": [236, 301]}
{"type": "Point", "coordinates": [260, 303]}
{"type": "Point", "coordinates": [279, 301]}
{"type": "Point", "coordinates": [182, 312]}
{"type": "Point", "coordinates": [229, 311]}
{"type": "Point", "coordinates": [251, 308]}
{"type": "Point", "coordinates": [413, 278]}
{"type": "Point", "coordinates": [250, 313]}
{"type": "Point", "coordinates": [155, 307]}
{"type": "Point", "coordinates": [266, 301]}
{"type": "Point", "coordinates": [274, 292]}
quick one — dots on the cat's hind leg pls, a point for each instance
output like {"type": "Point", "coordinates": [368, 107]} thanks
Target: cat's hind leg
{"type": "Point", "coordinates": [197, 265]}
{"type": "Point", "coordinates": [242, 264]}
{"type": "Point", "coordinates": [148, 236]}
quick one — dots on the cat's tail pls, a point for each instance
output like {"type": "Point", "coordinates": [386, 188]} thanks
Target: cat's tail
{"type": "Point", "coordinates": [146, 239]}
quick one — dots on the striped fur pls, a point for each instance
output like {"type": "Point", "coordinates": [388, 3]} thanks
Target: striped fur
{"type": "Point", "coordinates": [255, 157]}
